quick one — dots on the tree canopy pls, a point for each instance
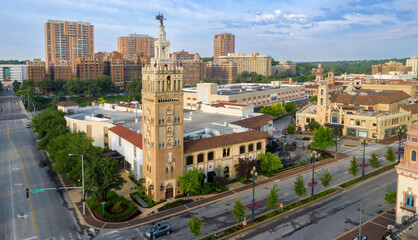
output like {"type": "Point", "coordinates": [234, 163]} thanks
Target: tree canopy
{"type": "Point", "coordinates": [238, 210]}
{"type": "Point", "coordinates": [273, 198]}
{"type": "Point", "coordinates": [353, 169]}
{"type": "Point", "coordinates": [195, 225]}
{"type": "Point", "coordinates": [299, 186]}
{"type": "Point", "coordinates": [269, 162]}
{"type": "Point", "coordinates": [312, 125]}
{"type": "Point", "coordinates": [322, 138]}
{"type": "Point", "coordinates": [191, 181]}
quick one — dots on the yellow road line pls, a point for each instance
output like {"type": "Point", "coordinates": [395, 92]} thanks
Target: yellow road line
{"type": "Point", "coordinates": [26, 179]}
{"type": "Point", "coordinates": [9, 107]}
{"type": "Point", "coordinates": [237, 235]}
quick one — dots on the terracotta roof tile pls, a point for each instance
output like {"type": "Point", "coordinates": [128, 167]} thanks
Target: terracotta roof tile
{"type": "Point", "coordinates": [371, 97]}
{"type": "Point", "coordinates": [128, 135]}
{"type": "Point", "coordinates": [254, 122]}
{"type": "Point", "coordinates": [411, 107]}
{"type": "Point", "coordinates": [219, 141]}
{"type": "Point", "coordinates": [67, 103]}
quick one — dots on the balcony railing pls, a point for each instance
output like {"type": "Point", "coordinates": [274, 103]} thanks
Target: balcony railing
{"type": "Point", "coordinates": [408, 208]}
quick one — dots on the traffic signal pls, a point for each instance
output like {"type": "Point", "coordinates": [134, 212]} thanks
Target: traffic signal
{"type": "Point", "coordinates": [27, 192]}
{"type": "Point", "coordinates": [58, 188]}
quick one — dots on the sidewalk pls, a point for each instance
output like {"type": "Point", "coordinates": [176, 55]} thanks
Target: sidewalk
{"type": "Point", "coordinates": [89, 220]}
{"type": "Point", "coordinates": [373, 229]}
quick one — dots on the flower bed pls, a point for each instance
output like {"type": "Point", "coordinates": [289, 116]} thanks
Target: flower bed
{"type": "Point", "coordinates": [268, 215]}
{"type": "Point", "coordinates": [174, 204]}
{"type": "Point", "coordinates": [368, 175]}
{"type": "Point", "coordinates": [104, 213]}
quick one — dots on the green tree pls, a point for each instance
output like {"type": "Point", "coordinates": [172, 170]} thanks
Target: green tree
{"type": "Point", "coordinates": [314, 99]}
{"type": "Point", "coordinates": [374, 161]}
{"type": "Point", "coordinates": [278, 108]}
{"type": "Point", "coordinates": [45, 84]}
{"type": "Point", "coordinates": [16, 85]}
{"type": "Point", "coordinates": [289, 107]}
{"type": "Point", "coordinates": [273, 198]}
{"type": "Point", "coordinates": [353, 169]}
{"type": "Point", "coordinates": [101, 100]}
{"type": "Point", "coordinates": [29, 83]}
{"type": "Point", "coordinates": [299, 186]}
{"type": "Point", "coordinates": [390, 155]}
{"type": "Point", "coordinates": [93, 87]}
{"type": "Point", "coordinates": [290, 129]}
{"type": "Point", "coordinates": [195, 225]}
{"type": "Point", "coordinates": [325, 177]}
{"type": "Point", "coordinates": [135, 87]}
{"type": "Point", "coordinates": [390, 197]}
{"type": "Point", "coordinates": [102, 175]}
{"type": "Point", "coordinates": [48, 125]}
{"type": "Point", "coordinates": [238, 210]}
{"type": "Point", "coordinates": [268, 110]}
{"type": "Point", "coordinates": [322, 138]}
{"type": "Point", "coordinates": [313, 125]}
{"type": "Point", "coordinates": [1, 86]}
{"type": "Point", "coordinates": [191, 181]}
{"type": "Point", "coordinates": [269, 162]}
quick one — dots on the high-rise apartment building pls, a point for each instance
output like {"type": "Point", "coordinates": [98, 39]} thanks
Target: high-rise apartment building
{"type": "Point", "coordinates": [413, 63]}
{"type": "Point", "coordinates": [89, 67]}
{"type": "Point", "coordinates": [35, 70]}
{"type": "Point", "coordinates": [162, 122]}
{"type": "Point", "coordinates": [116, 67]}
{"type": "Point", "coordinates": [224, 43]}
{"type": "Point", "coordinates": [68, 41]}
{"type": "Point", "coordinates": [135, 43]}
{"type": "Point", "coordinates": [260, 64]}
{"type": "Point", "coordinates": [390, 67]}
{"type": "Point", "coordinates": [182, 55]}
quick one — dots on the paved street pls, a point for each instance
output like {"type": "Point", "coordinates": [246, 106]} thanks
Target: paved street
{"type": "Point", "coordinates": [217, 215]}
{"type": "Point", "coordinates": [329, 217]}
{"type": "Point", "coordinates": [47, 215]}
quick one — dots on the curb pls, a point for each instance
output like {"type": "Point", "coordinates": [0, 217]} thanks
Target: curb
{"type": "Point", "coordinates": [362, 181]}
{"type": "Point", "coordinates": [277, 216]}
{"type": "Point", "coordinates": [188, 209]}
{"type": "Point", "coordinates": [370, 220]}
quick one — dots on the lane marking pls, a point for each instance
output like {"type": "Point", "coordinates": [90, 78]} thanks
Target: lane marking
{"type": "Point", "coordinates": [22, 216]}
{"type": "Point", "coordinates": [26, 179]}
{"type": "Point", "coordinates": [18, 184]}
{"type": "Point", "coordinates": [13, 207]}
{"type": "Point", "coordinates": [34, 237]}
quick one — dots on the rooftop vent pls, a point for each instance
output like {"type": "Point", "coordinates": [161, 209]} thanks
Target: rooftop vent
{"type": "Point", "coordinates": [378, 90]}
{"type": "Point", "coordinates": [363, 93]}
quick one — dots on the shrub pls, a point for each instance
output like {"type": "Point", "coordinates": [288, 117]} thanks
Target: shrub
{"type": "Point", "coordinates": [206, 188]}
{"type": "Point", "coordinates": [306, 138]}
{"type": "Point", "coordinates": [115, 200]}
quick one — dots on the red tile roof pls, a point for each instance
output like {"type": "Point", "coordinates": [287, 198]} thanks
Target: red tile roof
{"type": "Point", "coordinates": [224, 140]}
{"type": "Point", "coordinates": [371, 97]}
{"type": "Point", "coordinates": [128, 135]}
{"type": "Point", "coordinates": [67, 103]}
{"type": "Point", "coordinates": [411, 107]}
{"type": "Point", "coordinates": [254, 122]}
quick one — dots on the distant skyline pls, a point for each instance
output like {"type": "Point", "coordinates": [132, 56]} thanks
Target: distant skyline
{"type": "Point", "coordinates": [305, 30]}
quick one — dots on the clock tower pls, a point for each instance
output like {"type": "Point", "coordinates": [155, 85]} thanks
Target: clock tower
{"type": "Point", "coordinates": [162, 121]}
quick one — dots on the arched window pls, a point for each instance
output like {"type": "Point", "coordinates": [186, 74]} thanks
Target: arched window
{"type": "Point", "coordinates": [322, 91]}
{"type": "Point", "coordinates": [172, 169]}
{"type": "Point", "coordinates": [166, 170]}
{"type": "Point", "coordinates": [413, 156]}
{"type": "Point", "coordinates": [168, 83]}
{"type": "Point", "coordinates": [322, 101]}
{"type": "Point", "coordinates": [226, 172]}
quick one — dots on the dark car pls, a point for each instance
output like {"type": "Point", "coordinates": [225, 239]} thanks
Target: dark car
{"type": "Point", "coordinates": [159, 230]}
{"type": "Point", "coordinates": [28, 125]}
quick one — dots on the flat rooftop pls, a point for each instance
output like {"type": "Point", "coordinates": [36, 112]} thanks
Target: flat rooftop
{"type": "Point", "coordinates": [193, 120]}
{"type": "Point", "coordinates": [243, 88]}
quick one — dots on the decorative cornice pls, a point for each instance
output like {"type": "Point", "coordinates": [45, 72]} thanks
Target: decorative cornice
{"type": "Point", "coordinates": [407, 173]}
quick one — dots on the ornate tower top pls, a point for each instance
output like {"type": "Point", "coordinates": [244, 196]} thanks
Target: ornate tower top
{"type": "Point", "coordinates": [160, 18]}
{"type": "Point", "coordinates": [161, 45]}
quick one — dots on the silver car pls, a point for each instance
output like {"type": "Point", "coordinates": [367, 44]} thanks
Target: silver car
{"type": "Point", "coordinates": [159, 230]}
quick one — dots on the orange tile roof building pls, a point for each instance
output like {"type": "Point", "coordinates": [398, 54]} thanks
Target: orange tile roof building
{"type": "Point", "coordinates": [134, 43]}
{"type": "Point", "coordinates": [68, 41]}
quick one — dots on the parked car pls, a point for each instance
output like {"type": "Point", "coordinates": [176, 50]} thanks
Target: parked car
{"type": "Point", "coordinates": [159, 230]}
{"type": "Point", "coordinates": [28, 125]}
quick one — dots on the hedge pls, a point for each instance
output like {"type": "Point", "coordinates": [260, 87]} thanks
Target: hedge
{"type": "Point", "coordinates": [174, 204]}
{"type": "Point", "coordinates": [368, 175]}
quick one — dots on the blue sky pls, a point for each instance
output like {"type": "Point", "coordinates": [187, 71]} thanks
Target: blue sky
{"type": "Point", "coordinates": [305, 30]}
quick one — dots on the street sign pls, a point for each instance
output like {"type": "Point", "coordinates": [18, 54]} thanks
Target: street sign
{"type": "Point", "coordinates": [37, 190]}
{"type": "Point", "coordinates": [103, 203]}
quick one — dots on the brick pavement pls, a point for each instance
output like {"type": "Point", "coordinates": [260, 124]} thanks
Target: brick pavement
{"type": "Point", "coordinates": [373, 229]}
{"type": "Point", "coordinates": [90, 220]}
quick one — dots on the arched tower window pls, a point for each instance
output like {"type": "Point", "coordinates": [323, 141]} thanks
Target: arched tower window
{"type": "Point", "coordinates": [322, 101]}
{"type": "Point", "coordinates": [168, 83]}
{"type": "Point", "coordinates": [413, 156]}
{"type": "Point", "coordinates": [322, 91]}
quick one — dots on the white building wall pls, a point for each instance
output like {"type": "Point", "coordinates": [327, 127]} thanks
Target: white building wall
{"type": "Point", "coordinates": [17, 72]}
{"type": "Point", "coordinates": [127, 150]}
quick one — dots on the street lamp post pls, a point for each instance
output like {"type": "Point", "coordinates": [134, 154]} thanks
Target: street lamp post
{"type": "Point", "coordinates": [400, 131]}
{"type": "Point", "coordinates": [254, 175]}
{"type": "Point", "coordinates": [364, 165]}
{"type": "Point", "coordinates": [82, 176]}
{"type": "Point", "coordinates": [314, 157]}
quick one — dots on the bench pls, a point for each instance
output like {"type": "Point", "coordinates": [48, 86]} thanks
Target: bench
{"type": "Point", "coordinates": [140, 201]}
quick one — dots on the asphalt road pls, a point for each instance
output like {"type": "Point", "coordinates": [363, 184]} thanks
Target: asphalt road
{"type": "Point", "coordinates": [330, 217]}
{"type": "Point", "coordinates": [217, 215]}
{"type": "Point", "coordinates": [46, 215]}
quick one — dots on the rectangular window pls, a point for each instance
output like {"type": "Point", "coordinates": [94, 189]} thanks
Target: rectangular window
{"type": "Point", "coordinates": [259, 146]}
{"type": "Point", "coordinates": [200, 158]}
{"type": "Point", "coordinates": [414, 139]}
{"type": "Point", "coordinates": [357, 123]}
{"type": "Point", "coordinates": [374, 124]}
{"type": "Point", "coordinates": [410, 201]}
{"type": "Point", "coordinates": [210, 156]}
{"type": "Point", "coordinates": [120, 142]}
{"type": "Point", "coordinates": [250, 147]}
{"type": "Point", "coordinates": [134, 151]}
{"type": "Point", "coordinates": [226, 152]}
{"type": "Point", "coordinates": [189, 160]}
{"type": "Point", "coordinates": [351, 121]}
{"type": "Point", "coordinates": [242, 149]}
{"type": "Point", "coordinates": [363, 123]}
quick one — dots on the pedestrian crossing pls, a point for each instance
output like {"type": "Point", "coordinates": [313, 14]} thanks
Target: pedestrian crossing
{"type": "Point", "coordinates": [14, 120]}
{"type": "Point", "coordinates": [69, 236]}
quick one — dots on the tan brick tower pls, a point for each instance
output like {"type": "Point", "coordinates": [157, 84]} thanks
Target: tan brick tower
{"type": "Point", "coordinates": [162, 121]}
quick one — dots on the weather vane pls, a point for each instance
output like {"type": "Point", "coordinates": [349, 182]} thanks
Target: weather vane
{"type": "Point", "coordinates": [160, 18]}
